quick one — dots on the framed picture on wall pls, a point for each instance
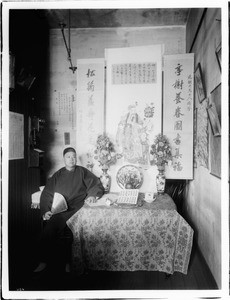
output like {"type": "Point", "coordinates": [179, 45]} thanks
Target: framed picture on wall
{"type": "Point", "coordinates": [218, 55]}
{"type": "Point", "coordinates": [215, 155]}
{"type": "Point", "coordinates": [199, 82]}
{"type": "Point", "coordinates": [213, 118]}
{"type": "Point", "coordinates": [214, 115]}
{"type": "Point", "coordinates": [214, 110]}
{"type": "Point", "coordinates": [26, 78]}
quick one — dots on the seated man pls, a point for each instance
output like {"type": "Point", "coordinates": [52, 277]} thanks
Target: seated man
{"type": "Point", "coordinates": [77, 185]}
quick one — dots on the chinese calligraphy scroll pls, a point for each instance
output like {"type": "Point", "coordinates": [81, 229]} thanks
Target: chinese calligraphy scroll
{"type": "Point", "coordinates": [63, 110]}
{"type": "Point", "coordinates": [90, 104]}
{"type": "Point", "coordinates": [178, 113]}
{"type": "Point", "coordinates": [135, 73]}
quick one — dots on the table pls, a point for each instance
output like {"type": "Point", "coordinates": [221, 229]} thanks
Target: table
{"type": "Point", "coordinates": [153, 237]}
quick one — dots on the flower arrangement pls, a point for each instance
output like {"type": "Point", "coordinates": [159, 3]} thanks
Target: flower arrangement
{"type": "Point", "coordinates": [105, 153]}
{"type": "Point", "coordinates": [161, 151]}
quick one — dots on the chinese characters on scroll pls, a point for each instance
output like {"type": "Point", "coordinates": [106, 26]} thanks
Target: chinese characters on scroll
{"type": "Point", "coordinates": [178, 113]}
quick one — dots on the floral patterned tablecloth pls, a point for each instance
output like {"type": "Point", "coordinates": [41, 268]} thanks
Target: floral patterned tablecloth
{"type": "Point", "coordinates": [153, 237]}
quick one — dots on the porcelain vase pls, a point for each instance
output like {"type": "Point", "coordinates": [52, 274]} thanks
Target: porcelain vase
{"type": "Point", "coordinates": [160, 180]}
{"type": "Point", "coordinates": [105, 180]}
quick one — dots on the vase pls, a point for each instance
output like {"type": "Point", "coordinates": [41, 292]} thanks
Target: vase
{"type": "Point", "coordinates": [105, 180]}
{"type": "Point", "coordinates": [160, 180]}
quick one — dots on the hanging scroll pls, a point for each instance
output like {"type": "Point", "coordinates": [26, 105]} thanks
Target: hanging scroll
{"type": "Point", "coordinates": [178, 113]}
{"type": "Point", "coordinates": [63, 110]}
{"type": "Point", "coordinates": [134, 102]}
{"type": "Point", "coordinates": [90, 105]}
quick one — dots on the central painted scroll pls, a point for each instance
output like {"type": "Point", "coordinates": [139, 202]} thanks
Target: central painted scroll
{"type": "Point", "coordinates": [134, 100]}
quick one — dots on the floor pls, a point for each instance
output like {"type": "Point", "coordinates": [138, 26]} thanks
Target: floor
{"type": "Point", "coordinates": [198, 278]}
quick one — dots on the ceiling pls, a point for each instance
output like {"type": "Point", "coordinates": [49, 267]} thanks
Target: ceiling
{"type": "Point", "coordinates": [99, 18]}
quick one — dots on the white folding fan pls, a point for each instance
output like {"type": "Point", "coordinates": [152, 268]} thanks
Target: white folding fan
{"type": "Point", "coordinates": [59, 204]}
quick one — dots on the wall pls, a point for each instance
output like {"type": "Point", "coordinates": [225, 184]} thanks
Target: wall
{"type": "Point", "coordinates": [89, 43]}
{"type": "Point", "coordinates": [203, 200]}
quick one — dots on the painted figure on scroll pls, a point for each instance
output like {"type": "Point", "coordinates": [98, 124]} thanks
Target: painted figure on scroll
{"type": "Point", "coordinates": [131, 137]}
{"type": "Point", "coordinates": [77, 185]}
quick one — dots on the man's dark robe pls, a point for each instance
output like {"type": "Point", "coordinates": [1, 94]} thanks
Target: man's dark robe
{"type": "Point", "coordinates": [75, 186]}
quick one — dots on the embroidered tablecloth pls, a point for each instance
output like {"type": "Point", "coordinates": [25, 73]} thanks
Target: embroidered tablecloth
{"type": "Point", "coordinates": [153, 237]}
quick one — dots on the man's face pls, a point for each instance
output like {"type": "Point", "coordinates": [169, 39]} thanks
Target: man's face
{"type": "Point", "coordinates": [70, 160]}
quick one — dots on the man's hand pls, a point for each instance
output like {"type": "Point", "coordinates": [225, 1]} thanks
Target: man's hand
{"type": "Point", "coordinates": [47, 215]}
{"type": "Point", "coordinates": [91, 199]}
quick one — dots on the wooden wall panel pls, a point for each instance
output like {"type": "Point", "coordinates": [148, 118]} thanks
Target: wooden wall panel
{"type": "Point", "coordinates": [28, 42]}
